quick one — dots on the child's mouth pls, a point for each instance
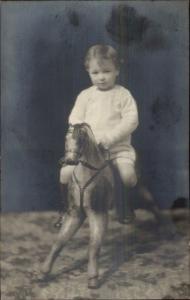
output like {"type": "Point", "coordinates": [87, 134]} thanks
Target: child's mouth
{"type": "Point", "coordinates": [102, 83]}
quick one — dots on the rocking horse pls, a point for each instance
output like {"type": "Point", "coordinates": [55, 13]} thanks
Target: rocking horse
{"type": "Point", "coordinates": [90, 194]}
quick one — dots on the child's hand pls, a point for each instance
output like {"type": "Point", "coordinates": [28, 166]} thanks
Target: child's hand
{"type": "Point", "coordinates": [104, 142]}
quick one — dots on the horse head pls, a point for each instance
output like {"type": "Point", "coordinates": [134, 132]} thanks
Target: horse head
{"type": "Point", "coordinates": [79, 141]}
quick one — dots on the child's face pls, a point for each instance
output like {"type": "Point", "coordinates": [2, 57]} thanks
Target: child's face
{"type": "Point", "coordinates": [103, 73]}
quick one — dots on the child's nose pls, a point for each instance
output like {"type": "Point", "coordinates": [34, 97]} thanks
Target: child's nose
{"type": "Point", "coordinates": [101, 77]}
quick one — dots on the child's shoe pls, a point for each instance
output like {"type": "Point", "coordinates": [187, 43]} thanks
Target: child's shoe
{"type": "Point", "coordinates": [128, 218]}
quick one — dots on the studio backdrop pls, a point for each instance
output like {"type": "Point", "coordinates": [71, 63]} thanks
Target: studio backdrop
{"type": "Point", "coordinates": [43, 44]}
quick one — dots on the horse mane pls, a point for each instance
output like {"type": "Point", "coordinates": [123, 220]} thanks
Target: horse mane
{"type": "Point", "coordinates": [86, 137]}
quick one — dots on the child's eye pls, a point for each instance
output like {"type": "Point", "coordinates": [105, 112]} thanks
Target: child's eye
{"type": "Point", "coordinates": [106, 71]}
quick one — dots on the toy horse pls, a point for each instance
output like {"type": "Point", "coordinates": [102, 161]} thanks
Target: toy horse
{"type": "Point", "coordinates": [90, 193]}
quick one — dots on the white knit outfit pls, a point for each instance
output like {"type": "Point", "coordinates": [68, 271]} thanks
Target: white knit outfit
{"type": "Point", "coordinates": [112, 114]}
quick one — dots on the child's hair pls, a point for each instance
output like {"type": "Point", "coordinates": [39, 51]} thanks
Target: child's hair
{"type": "Point", "coordinates": [102, 52]}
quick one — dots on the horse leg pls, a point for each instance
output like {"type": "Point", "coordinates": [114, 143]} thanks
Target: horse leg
{"type": "Point", "coordinates": [98, 225]}
{"type": "Point", "coordinates": [64, 205]}
{"type": "Point", "coordinates": [69, 227]}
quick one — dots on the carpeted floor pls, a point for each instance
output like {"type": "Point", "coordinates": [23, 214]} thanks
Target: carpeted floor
{"type": "Point", "coordinates": [143, 261]}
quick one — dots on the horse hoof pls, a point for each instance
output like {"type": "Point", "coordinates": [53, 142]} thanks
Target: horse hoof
{"type": "Point", "coordinates": [59, 222]}
{"type": "Point", "coordinates": [93, 283]}
{"type": "Point", "coordinates": [57, 225]}
{"type": "Point", "coordinates": [45, 269]}
{"type": "Point", "coordinates": [37, 275]}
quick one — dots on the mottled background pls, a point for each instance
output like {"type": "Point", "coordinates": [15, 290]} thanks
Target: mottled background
{"type": "Point", "coordinates": [145, 261]}
{"type": "Point", "coordinates": [43, 46]}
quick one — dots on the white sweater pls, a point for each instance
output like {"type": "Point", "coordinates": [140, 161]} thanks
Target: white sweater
{"type": "Point", "coordinates": [111, 114]}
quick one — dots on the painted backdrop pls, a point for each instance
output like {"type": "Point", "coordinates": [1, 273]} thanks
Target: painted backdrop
{"type": "Point", "coordinates": [43, 46]}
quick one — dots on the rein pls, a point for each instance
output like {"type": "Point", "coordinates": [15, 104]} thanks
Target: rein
{"type": "Point", "coordinates": [89, 166]}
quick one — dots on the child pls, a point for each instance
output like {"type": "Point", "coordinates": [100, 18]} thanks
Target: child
{"type": "Point", "coordinates": [111, 112]}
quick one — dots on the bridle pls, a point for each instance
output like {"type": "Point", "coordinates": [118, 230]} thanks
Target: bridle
{"type": "Point", "coordinates": [90, 180]}
{"type": "Point", "coordinates": [85, 163]}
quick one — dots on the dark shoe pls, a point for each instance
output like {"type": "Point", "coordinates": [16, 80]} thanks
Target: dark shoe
{"type": "Point", "coordinates": [59, 222]}
{"type": "Point", "coordinates": [129, 219]}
